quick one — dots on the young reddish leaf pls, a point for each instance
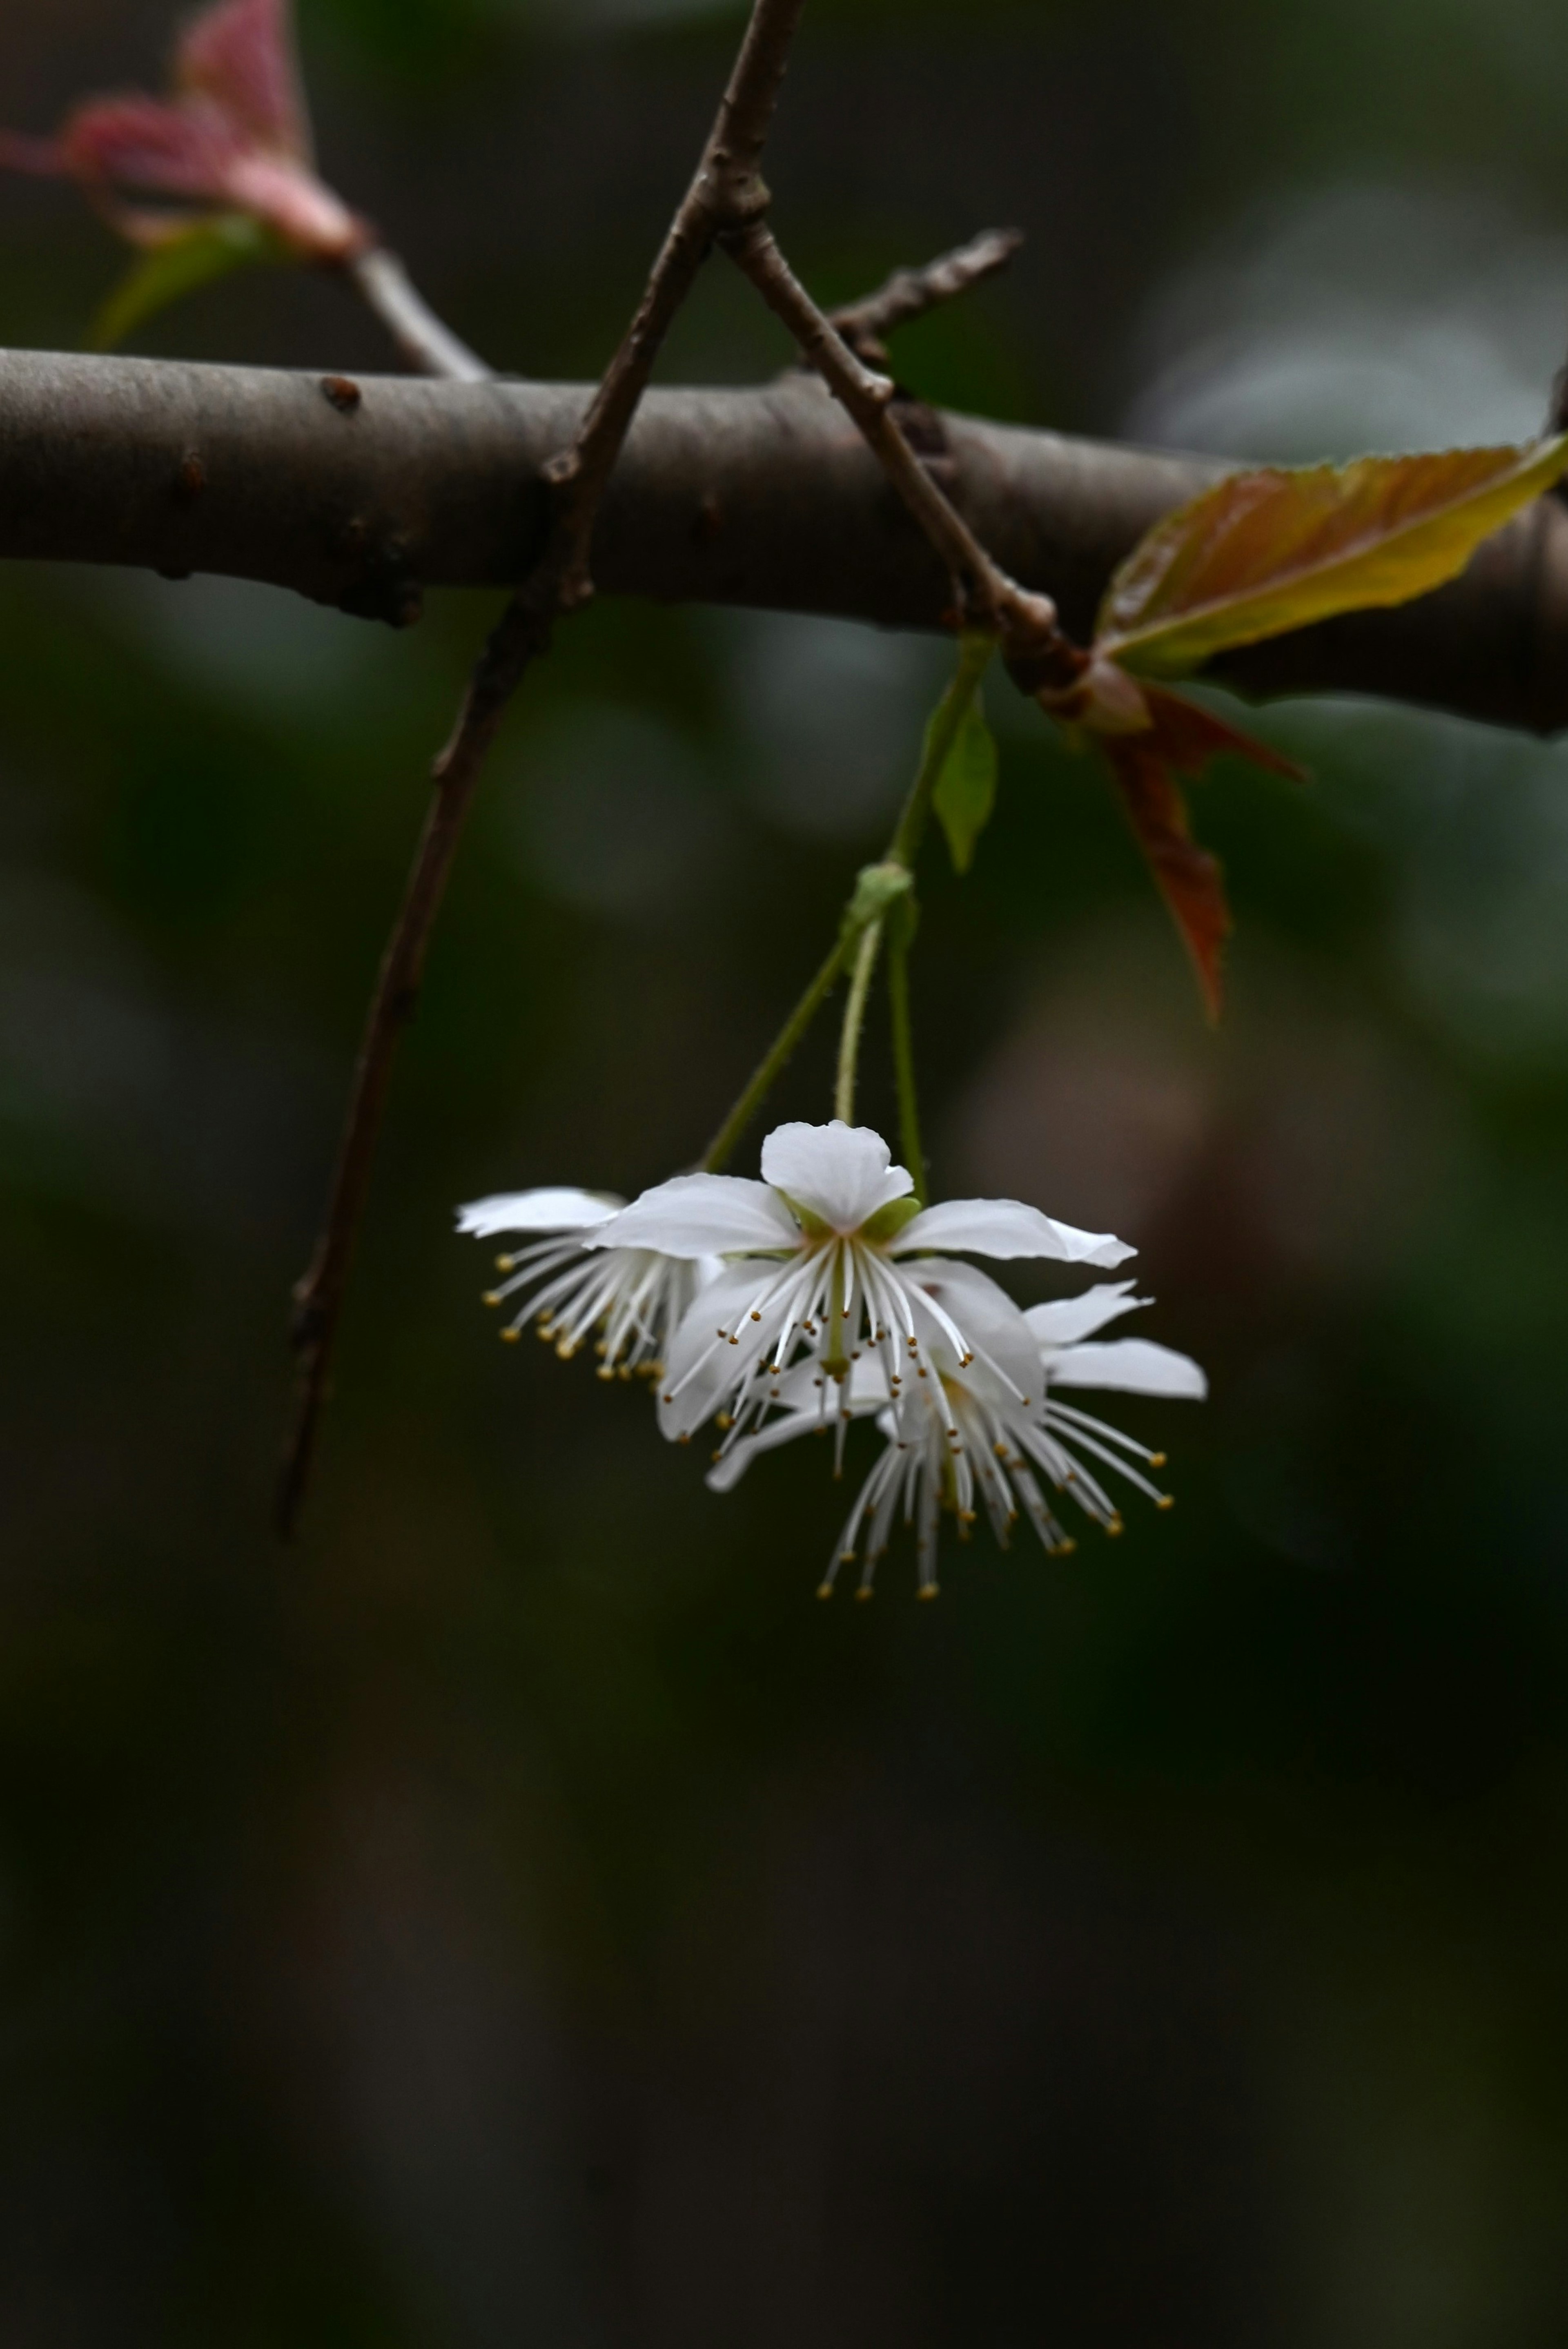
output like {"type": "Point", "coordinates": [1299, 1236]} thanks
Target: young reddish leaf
{"type": "Point", "coordinates": [235, 139]}
{"type": "Point", "coordinates": [241, 57]}
{"type": "Point", "coordinates": [138, 143]}
{"type": "Point", "coordinates": [1264, 552]}
{"type": "Point", "coordinates": [1181, 740]}
{"type": "Point", "coordinates": [1189, 878]}
{"type": "Point", "coordinates": [1188, 737]}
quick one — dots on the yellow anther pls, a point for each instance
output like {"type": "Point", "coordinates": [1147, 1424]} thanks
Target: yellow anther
{"type": "Point", "coordinates": [490, 1298]}
{"type": "Point", "coordinates": [608, 1371]}
{"type": "Point", "coordinates": [724, 1421]}
{"type": "Point", "coordinates": [754, 1315]}
{"type": "Point", "coordinates": [511, 1336]}
{"type": "Point", "coordinates": [866, 1592]}
{"type": "Point", "coordinates": [1166, 1501]}
{"type": "Point", "coordinates": [505, 1263]}
{"type": "Point", "coordinates": [1157, 1460]}
{"type": "Point", "coordinates": [1115, 1526]}
{"type": "Point", "coordinates": [824, 1589]}
{"type": "Point", "coordinates": [929, 1590]}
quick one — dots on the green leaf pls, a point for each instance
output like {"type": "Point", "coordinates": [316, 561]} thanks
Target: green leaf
{"type": "Point", "coordinates": [1265, 551]}
{"type": "Point", "coordinates": [193, 257]}
{"type": "Point", "coordinates": [966, 786]}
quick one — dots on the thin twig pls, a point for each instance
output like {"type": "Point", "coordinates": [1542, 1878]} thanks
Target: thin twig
{"type": "Point", "coordinates": [727, 195]}
{"type": "Point", "coordinates": [428, 345]}
{"type": "Point", "coordinates": [909, 293]}
{"type": "Point", "coordinates": [1023, 622]}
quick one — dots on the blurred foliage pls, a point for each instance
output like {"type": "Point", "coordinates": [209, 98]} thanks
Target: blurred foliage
{"type": "Point", "coordinates": [522, 1912]}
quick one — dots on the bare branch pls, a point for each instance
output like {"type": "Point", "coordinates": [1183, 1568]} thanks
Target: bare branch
{"type": "Point", "coordinates": [428, 345]}
{"type": "Point", "coordinates": [766, 497]}
{"type": "Point", "coordinates": [909, 293]}
{"type": "Point", "coordinates": [726, 194]}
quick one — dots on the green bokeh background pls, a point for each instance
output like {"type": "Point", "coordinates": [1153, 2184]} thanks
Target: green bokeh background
{"type": "Point", "coordinates": [519, 1913]}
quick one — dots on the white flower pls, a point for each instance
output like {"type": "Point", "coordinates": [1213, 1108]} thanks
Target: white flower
{"type": "Point", "coordinates": [963, 1436]}
{"type": "Point", "coordinates": [829, 1254]}
{"type": "Point", "coordinates": [632, 1297]}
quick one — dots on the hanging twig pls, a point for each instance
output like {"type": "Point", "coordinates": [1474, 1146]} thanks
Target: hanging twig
{"type": "Point", "coordinates": [909, 293]}
{"type": "Point", "coordinates": [727, 196]}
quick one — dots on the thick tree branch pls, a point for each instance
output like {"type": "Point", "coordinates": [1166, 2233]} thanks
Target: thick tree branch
{"type": "Point", "coordinates": [726, 196]}
{"type": "Point", "coordinates": [766, 498]}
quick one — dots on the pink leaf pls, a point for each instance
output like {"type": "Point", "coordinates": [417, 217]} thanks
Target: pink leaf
{"type": "Point", "coordinates": [1178, 739]}
{"type": "Point", "coordinates": [139, 142]}
{"type": "Point", "coordinates": [240, 57]}
{"type": "Point", "coordinates": [235, 139]}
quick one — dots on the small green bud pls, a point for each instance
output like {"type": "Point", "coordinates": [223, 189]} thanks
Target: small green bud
{"type": "Point", "coordinates": [877, 889]}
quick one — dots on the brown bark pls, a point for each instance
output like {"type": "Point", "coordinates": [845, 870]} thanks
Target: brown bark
{"type": "Point", "coordinates": [764, 497]}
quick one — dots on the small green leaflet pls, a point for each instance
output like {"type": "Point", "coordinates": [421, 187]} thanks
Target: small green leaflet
{"type": "Point", "coordinates": [966, 786]}
{"type": "Point", "coordinates": [959, 743]}
{"type": "Point", "coordinates": [192, 257]}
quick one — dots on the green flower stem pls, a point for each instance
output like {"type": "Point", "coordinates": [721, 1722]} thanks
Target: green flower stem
{"type": "Point", "coordinates": [903, 1060]}
{"type": "Point", "coordinates": [722, 1147]}
{"type": "Point", "coordinates": [973, 655]}
{"type": "Point", "coordinates": [855, 1020]}
{"type": "Point", "coordinates": [879, 887]}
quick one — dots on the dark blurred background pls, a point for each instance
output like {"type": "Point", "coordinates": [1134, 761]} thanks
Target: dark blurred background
{"type": "Point", "coordinates": [521, 1914]}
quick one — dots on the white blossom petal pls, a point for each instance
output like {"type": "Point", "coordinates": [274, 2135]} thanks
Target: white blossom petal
{"type": "Point", "coordinates": [1006, 1227]}
{"type": "Point", "coordinates": [996, 1335]}
{"type": "Point", "coordinates": [558, 1209]}
{"type": "Point", "coordinates": [702, 1215]}
{"type": "Point", "coordinates": [1134, 1365]}
{"type": "Point", "coordinates": [840, 1173]}
{"type": "Point", "coordinates": [1068, 1319]}
{"type": "Point", "coordinates": [712, 1352]}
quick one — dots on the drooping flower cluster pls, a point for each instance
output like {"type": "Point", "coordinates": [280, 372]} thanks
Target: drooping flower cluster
{"type": "Point", "coordinates": [824, 1293]}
